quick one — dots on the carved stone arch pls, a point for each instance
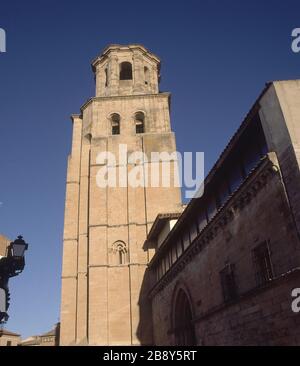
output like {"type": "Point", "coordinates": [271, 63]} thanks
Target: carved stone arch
{"type": "Point", "coordinates": [139, 111]}
{"type": "Point", "coordinates": [109, 115]}
{"type": "Point", "coordinates": [118, 253]}
{"type": "Point", "coordinates": [182, 316]}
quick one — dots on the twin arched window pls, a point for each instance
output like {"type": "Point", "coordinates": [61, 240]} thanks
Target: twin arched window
{"type": "Point", "coordinates": [139, 119]}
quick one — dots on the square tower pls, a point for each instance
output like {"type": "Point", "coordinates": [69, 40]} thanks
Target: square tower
{"type": "Point", "coordinates": [104, 262]}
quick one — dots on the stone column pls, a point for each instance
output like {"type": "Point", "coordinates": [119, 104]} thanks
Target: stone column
{"type": "Point", "coordinates": [81, 334]}
{"type": "Point", "coordinates": [154, 80]}
{"type": "Point", "coordinates": [97, 258]}
{"type": "Point", "coordinates": [138, 73]}
{"type": "Point", "coordinates": [113, 75]}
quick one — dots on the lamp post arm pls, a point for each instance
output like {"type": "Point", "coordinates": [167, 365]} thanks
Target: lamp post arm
{"type": "Point", "coordinates": [10, 266]}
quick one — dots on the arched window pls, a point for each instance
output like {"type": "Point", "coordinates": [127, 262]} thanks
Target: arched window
{"type": "Point", "coordinates": [125, 71]}
{"type": "Point", "coordinates": [115, 124]}
{"type": "Point", "coordinates": [139, 122]}
{"type": "Point", "coordinates": [184, 328]}
{"type": "Point", "coordinates": [146, 74]}
{"type": "Point", "coordinates": [119, 251]}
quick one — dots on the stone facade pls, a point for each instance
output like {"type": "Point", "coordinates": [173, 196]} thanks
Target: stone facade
{"type": "Point", "coordinates": [137, 268]}
{"type": "Point", "coordinates": [8, 338]}
{"type": "Point", "coordinates": [103, 284]}
{"type": "Point", "coordinates": [4, 243]}
{"type": "Point", "coordinates": [225, 273]}
{"type": "Point", "coordinates": [48, 339]}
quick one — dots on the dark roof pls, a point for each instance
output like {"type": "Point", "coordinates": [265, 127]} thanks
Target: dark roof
{"type": "Point", "coordinates": [8, 332]}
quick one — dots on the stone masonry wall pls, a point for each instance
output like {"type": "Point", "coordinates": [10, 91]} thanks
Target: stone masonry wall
{"type": "Point", "coordinates": [260, 317]}
{"type": "Point", "coordinates": [263, 317]}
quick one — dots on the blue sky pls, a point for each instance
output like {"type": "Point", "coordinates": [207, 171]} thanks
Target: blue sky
{"type": "Point", "coordinates": [216, 57]}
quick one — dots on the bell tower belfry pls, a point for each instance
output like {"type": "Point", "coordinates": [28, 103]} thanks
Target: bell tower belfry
{"type": "Point", "coordinates": [130, 70]}
{"type": "Point", "coordinates": [104, 299]}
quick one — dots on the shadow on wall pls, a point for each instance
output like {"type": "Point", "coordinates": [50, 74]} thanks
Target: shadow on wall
{"type": "Point", "coordinates": [145, 327]}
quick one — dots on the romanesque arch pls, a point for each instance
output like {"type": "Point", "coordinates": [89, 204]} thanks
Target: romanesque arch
{"type": "Point", "coordinates": [183, 327]}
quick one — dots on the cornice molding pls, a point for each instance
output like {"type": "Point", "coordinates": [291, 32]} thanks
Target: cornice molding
{"type": "Point", "coordinates": [131, 96]}
{"type": "Point", "coordinates": [117, 48]}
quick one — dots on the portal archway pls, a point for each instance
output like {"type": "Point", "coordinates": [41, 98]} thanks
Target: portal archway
{"type": "Point", "coordinates": [183, 326]}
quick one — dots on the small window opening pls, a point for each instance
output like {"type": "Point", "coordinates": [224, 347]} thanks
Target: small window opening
{"type": "Point", "coordinates": [262, 263]}
{"type": "Point", "coordinates": [106, 76]}
{"type": "Point", "coordinates": [125, 71]}
{"type": "Point", "coordinates": [228, 283]}
{"type": "Point", "coordinates": [115, 124]}
{"type": "Point", "coordinates": [146, 73]}
{"type": "Point", "coordinates": [139, 122]}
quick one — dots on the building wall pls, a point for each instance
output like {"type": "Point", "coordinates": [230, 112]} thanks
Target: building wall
{"type": "Point", "coordinates": [4, 339]}
{"type": "Point", "coordinates": [259, 211]}
{"type": "Point", "coordinates": [103, 302]}
{"type": "Point", "coordinates": [280, 116]}
{"type": "Point", "coordinates": [4, 242]}
{"type": "Point", "coordinates": [262, 318]}
{"type": "Point", "coordinates": [46, 341]}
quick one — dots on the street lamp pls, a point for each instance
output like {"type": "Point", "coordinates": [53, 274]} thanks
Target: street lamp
{"type": "Point", "coordinates": [17, 248]}
{"type": "Point", "coordinates": [10, 266]}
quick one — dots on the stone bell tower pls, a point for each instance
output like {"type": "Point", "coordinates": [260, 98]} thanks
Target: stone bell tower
{"type": "Point", "coordinates": [104, 298]}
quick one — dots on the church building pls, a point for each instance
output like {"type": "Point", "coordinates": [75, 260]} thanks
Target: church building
{"type": "Point", "coordinates": [139, 268]}
{"type": "Point", "coordinates": [104, 301]}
